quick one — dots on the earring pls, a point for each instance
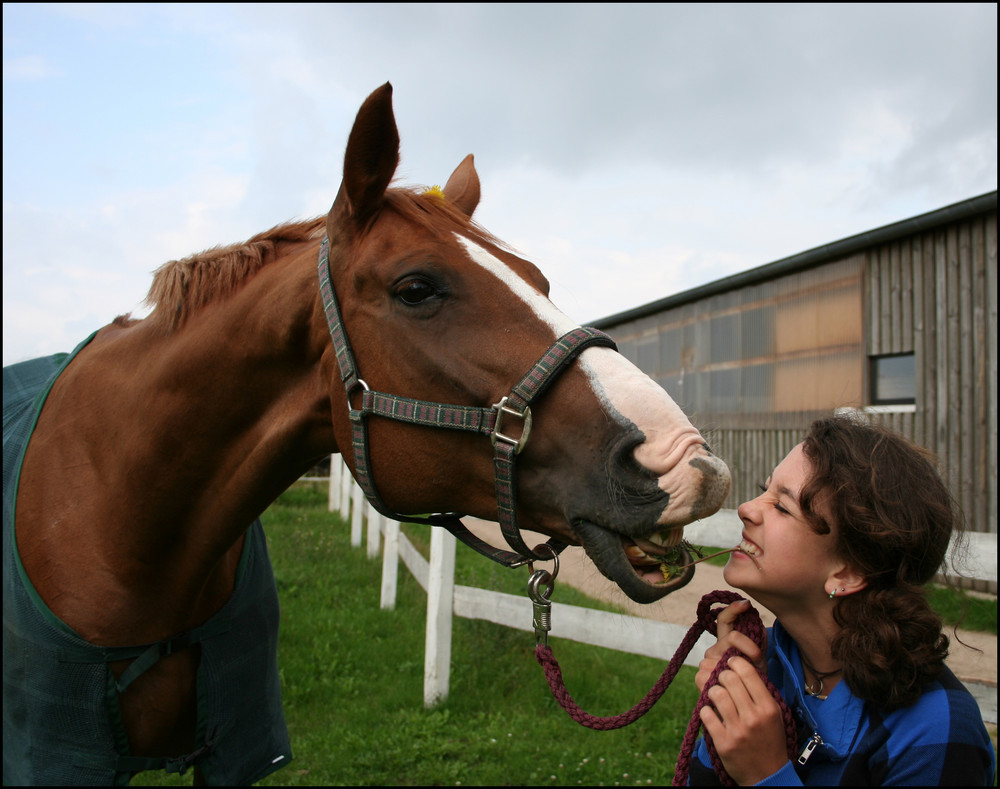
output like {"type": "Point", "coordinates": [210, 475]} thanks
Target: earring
{"type": "Point", "coordinates": [834, 592]}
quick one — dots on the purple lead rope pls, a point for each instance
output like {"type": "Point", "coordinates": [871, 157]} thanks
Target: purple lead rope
{"type": "Point", "coordinates": [748, 623]}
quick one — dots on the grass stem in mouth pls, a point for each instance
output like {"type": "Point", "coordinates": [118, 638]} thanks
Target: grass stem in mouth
{"type": "Point", "coordinates": [670, 570]}
{"type": "Point", "coordinates": [705, 558]}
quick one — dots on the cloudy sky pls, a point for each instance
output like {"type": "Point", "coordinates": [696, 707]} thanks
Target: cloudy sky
{"type": "Point", "coordinates": [631, 151]}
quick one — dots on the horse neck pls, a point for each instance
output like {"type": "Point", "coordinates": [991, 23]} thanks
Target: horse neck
{"type": "Point", "coordinates": [241, 383]}
{"type": "Point", "coordinates": [181, 438]}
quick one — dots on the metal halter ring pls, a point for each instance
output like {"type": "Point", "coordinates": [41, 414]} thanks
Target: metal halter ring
{"type": "Point", "coordinates": [555, 567]}
{"type": "Point", "coordinates": [352, 388]}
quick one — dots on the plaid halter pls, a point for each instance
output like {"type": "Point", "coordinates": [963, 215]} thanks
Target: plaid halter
{"type": "Point", "coordinates": [485, 421]}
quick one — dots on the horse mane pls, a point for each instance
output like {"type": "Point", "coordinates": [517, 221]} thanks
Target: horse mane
{"type": "Point", "coordinates": [181, 286]}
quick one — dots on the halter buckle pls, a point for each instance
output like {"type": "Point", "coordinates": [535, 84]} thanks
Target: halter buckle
{"type": "Point", "coordinates": [502, 408]}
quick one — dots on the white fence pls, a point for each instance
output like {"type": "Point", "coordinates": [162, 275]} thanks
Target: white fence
{"type": "Point", "coordinates": [444, 598]}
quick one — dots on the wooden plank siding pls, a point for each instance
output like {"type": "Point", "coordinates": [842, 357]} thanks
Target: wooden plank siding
{"type": "Point", "coordinates": [926, 286]}
{"type": "Point", "coordinates": [934, 295]}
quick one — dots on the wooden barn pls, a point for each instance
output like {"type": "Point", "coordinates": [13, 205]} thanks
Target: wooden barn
{"type": "Point", "coordinates": [898, 323]}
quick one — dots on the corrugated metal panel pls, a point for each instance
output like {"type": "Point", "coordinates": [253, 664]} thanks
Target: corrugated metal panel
{"type": "Point", "coordinates": [790, 344]}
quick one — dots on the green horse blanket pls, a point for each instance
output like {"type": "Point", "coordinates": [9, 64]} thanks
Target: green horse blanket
{"type": "Point", "coordinates": [61, 720]}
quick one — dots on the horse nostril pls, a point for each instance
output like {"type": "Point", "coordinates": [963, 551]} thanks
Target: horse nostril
{"type": "Point", "coordinates": [633, 486]}
{"type": "Point", "coordinates": [623, 462]}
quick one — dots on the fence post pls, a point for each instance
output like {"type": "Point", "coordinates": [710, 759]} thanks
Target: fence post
{"type": "Point", "coordinates": [440, 601]}
{"type": "Point", "coordinates": [336, 472]}
{"type": "Point", "coordinates": [347, 480]}
{"type": "Point", "coordinates": [390, 565]}
{"type": "Point", "coordinates": [374, 518]}
{"type": "Point", "coordinates": [357, 515]}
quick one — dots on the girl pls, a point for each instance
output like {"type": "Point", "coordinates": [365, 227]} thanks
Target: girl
{"type": "Point", "coordinates": [848, 529]}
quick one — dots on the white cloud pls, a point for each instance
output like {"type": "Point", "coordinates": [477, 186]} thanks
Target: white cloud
{"type": "Point", "coordinates": [28, 68]}
{"type": "Point", "coordinates": [632, 151]}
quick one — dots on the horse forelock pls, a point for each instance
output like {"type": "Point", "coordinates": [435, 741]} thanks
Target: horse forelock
{"type": "Point", "coordinates": [183, 286]}
{"type": "Point", "coordinates": [435, 213]}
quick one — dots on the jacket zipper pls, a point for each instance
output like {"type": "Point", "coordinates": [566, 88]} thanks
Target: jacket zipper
{"type": "Point", "coordinates": [814, 742]}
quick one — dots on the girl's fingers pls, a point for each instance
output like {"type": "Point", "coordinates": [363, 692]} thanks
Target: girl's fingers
{"type": "Point", "coordinates": [727, 616]}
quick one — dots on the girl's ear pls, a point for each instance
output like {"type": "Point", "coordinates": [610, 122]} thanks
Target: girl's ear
{"type": "Point", "coordinates": [845, 581]}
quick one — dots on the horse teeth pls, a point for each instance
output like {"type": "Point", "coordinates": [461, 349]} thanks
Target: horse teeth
{"type": "Point", "coordinates": [633, 551]}
{"type": "Point", "coordinates": [640, 556]}
{"type": "Point", "coordinates": [668, 539]}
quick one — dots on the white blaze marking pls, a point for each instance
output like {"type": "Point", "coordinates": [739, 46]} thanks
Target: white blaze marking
{"type": "Point", "coordinates": [540, 305]}
{"type": "Point", "coordinates": [636, 396]}
{"type": "Point", "coordinates": [622, 388]}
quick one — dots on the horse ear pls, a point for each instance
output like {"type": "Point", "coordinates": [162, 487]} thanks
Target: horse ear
{"type": "Point", "coordinates": [369, 163]}
{"type": "Point", "coordinates": [462, 188]}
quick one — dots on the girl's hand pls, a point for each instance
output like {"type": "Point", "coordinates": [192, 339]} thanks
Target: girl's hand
{"type": "Point", "coordinates": [728, 638]}
{"type": "Point", "coordinates": [746, 724]}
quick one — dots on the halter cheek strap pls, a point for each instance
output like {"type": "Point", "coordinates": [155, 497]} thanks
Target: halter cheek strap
{"type": "Point", "coordinates": [493, 422]}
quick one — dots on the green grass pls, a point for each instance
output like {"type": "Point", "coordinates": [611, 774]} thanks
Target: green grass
{"type": "Point", "coordinates": [366, 724]}
{"type": "Point", "coordinates": [352, 678]}
{"type": "Point", "coordinates": [961, 609]}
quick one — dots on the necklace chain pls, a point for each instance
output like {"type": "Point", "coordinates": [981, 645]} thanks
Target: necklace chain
{"type": "Point", "coordinates": [811, 689]}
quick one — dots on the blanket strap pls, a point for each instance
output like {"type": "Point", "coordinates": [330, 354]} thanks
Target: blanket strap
{"type": "Point", "coordinates": [143, 657]}
{"type": "Point", "coordinates": [129, 765]}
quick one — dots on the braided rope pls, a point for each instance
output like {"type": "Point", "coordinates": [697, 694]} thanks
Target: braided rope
{"type": "Point", "coordinates": [748, 623]}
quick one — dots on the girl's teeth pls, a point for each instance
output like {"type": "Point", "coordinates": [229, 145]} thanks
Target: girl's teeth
{"type": "Point", "coordinates": [749, 548]}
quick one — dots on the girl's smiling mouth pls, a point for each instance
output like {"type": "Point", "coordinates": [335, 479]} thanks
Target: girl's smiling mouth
{"type": "Point", "coordinates": [749, 549]}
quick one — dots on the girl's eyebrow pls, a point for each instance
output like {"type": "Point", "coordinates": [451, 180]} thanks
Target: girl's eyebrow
{"type": "Point", "coordinates": [783, 491]}
{"type": "Point", "coordinates": [791, 495]}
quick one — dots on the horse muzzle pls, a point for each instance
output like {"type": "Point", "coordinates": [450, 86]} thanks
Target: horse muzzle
{"type": "Point", "coordinates": [636, 538]}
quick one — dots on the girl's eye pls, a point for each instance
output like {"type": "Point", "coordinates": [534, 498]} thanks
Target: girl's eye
{"type": "Point", "coordinates": [777, 504]}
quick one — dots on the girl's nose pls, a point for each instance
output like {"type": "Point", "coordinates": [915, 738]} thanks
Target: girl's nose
{"type": "Point", "coordinates": [749, 511]}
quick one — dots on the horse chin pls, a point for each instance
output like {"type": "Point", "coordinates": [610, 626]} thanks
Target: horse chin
{"type": "Point", "coordinates": [643, 583]}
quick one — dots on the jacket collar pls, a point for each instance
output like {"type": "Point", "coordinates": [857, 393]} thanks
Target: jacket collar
{"type": "Point", "coordinates": [836, 719]}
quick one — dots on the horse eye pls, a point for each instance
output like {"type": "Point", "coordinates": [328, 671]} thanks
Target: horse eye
{"type": "Point", "coordinates": [415, 291]}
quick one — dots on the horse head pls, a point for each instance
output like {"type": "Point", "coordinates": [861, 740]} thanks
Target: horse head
{"type": "Point", "coordinates": [438, 310]}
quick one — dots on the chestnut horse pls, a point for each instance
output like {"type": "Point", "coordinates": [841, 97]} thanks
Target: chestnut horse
{"type": "Point", "coordinates": [162, 440]}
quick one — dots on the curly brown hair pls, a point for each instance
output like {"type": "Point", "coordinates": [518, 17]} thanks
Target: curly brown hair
{"type": "Point", "coordinates": [895, 518]}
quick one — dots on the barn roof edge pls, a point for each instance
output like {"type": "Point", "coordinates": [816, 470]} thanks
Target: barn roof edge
{"type": "Point", "coordinates": [813, 257]}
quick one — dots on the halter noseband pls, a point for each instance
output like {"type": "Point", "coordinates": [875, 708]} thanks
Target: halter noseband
{"type": "Point", "coordinates": [486, 421]}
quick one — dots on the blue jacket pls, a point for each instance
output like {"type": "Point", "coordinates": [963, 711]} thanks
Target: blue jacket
{"type": "Point", "coordinates": [846, 741]}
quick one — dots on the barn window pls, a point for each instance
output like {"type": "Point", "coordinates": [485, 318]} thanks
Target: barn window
{"type": "Point", "coordinates": [893, 379]}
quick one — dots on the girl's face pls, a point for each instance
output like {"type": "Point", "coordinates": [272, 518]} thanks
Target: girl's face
{"type": "Point", "coordinates": [782, 561]}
